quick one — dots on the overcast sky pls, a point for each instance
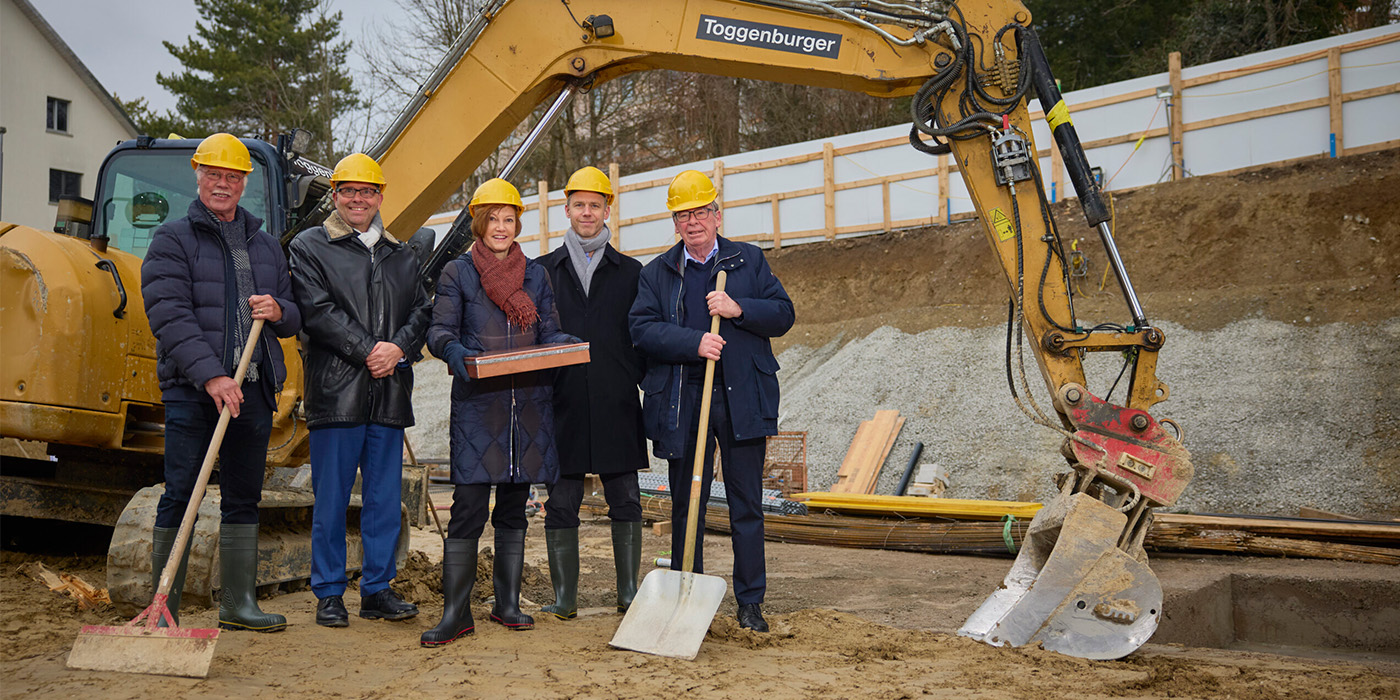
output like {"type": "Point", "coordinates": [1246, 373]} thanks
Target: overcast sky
{"type": "Point", "coordinates": [120, 40]}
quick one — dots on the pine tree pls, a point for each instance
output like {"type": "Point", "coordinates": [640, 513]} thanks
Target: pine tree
{"type": "Point", "coordinates": [263, 67]}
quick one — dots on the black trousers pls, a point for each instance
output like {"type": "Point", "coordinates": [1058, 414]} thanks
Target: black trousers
{"type": "Point", "coordinates": [623, 495]}
{"type": "Point", "coordinates": [469, 504]}
{"type": "Point", "coordinates": [189, 428]}
{"type": "Point", "coordinates": [743, 486]}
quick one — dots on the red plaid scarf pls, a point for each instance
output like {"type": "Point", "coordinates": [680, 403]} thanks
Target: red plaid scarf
{"type": "Point", "coordinates": [504, 282]}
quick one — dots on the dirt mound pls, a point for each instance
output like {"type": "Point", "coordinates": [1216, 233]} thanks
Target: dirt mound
{"type": "Point", "coordinates": [1313, 242]}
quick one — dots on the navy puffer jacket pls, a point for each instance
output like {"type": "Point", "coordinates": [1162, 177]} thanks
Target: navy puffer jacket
{"type": "Point", "coordinates": [502, 428]}
{"type": "Point", "coordinates": [189, 290]}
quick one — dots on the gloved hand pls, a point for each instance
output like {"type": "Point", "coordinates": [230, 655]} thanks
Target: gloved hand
{"type": "Point", "coordinates": [456, 359]}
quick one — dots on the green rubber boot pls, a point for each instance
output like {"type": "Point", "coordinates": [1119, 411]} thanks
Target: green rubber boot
{"type": "Point", "coordinates": [238, 573]}
{"type": "Point", "coordinates": [627, 559]}
{"type": "Point", "coordinates": [162, 541]}
{"type": "Point", "coordinates": [563, 571]}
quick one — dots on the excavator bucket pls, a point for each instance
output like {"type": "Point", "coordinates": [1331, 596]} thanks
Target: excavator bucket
{"type": "Point", "coordinates": [1072, 589]}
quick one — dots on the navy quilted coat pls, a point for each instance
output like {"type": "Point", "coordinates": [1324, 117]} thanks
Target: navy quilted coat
{"type": "Point", "coordinates": [502, 428]}
{"type": "Point", "coordinates": [191, 307]}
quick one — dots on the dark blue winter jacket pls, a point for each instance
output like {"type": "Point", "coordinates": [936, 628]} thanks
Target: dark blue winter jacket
{"type": "Point", "coordinates": [190, 293]}
{"type": "Point", "coordinates": [502, 428]}
{"type": "Point", "coordinates": [747, 364]}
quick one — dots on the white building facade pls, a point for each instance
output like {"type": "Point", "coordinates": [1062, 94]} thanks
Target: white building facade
{"type": "Point", "coordinates": [58, 121]}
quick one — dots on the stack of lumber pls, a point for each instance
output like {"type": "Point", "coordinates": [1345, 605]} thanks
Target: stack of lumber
{"type": "Point", "coordinates": [944, 537]}
{"type": "Point", "coordinates": [917, 506]}
{"type": "Point", "coordinates": [1345, 540]}
{"type": "Point", "coordinates": [1375, 542]}
{"type": "Point", "coordinates": [864, 458]}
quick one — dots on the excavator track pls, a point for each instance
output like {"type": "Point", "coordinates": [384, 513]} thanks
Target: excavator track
{"type": "Point", "coordinates": [284, 545]}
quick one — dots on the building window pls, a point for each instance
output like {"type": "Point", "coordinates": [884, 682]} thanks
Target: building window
{"type": "Point", "coordinates": [64, 184]}
{"type": "Point", "coordinates": [58, 115]}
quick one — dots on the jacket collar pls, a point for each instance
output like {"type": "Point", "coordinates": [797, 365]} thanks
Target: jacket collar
{"type": "Point", "coordinates": [200, 216]}
{"type": "Point", "coordinates": [674, 258]}
{"type": "Point", "coordinates": [560, 255]}
{"type": "Point", "coordinates": [338, 229]}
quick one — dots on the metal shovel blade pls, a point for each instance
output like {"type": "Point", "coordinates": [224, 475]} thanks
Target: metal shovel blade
{"type": "Point", "coordinates": [671, 614]}
{"type": "Point", "coordinates": [1071, 588]}
{"type": "Point", "coordinates": [163, 651]}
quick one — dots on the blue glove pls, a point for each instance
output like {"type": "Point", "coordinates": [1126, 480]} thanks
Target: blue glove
{"type": "Point", "coordinates": [456, 359]}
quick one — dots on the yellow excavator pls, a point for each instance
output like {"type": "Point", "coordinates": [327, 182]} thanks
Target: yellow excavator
{"type": "Point", "coordinates": [1080, 585]}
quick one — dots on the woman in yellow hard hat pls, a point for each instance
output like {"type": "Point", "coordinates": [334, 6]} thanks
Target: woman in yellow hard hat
{"type": "Point", "coordinates": [502, 428]}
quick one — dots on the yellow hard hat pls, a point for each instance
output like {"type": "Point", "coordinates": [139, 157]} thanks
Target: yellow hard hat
{"type": "Point", "coordinates": [222, 151]}
{"type": "Point", "coordinates": [358, 167]}
{"type": "Point", "coordinates": [590, 179]}
{"type": "Point", "coordinates": [496, 191]}
{"type": "Point", "coordinates": [689, 190]}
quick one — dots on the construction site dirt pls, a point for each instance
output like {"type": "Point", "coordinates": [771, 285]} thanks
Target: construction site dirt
{"type": "Point", "coordinates": [1313, 246]}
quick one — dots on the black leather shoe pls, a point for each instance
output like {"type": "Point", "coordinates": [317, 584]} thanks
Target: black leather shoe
{"type": "Point", "coordinates": [751, 618]}
{"type": "Point", "coordinates": [331, 612]}
{"type": "Point", "coordinates": [384, 605]}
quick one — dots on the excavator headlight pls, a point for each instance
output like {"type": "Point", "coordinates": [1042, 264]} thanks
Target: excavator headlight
{"type": "Point", "coordinates": [600, 25]}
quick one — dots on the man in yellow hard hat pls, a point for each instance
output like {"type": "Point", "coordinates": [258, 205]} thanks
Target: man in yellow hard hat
{"type": "Point", "coordinates": [204, 280]}
{"type": "Point", "coordinates": [670, 323]}
{"type": "Point", "coordinates": [367, 316]}
{"type": "Point", "coordinates": [596, 410]}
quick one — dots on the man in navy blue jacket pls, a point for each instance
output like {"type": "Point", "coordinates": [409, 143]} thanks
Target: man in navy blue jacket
{"type": "Point", "coordinates": [204, 280]}
{"type": "Point", "coordinates": [670, 323]}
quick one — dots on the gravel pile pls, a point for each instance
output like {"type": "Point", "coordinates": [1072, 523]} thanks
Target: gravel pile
{"type": "Point", "coordinates": [1276, 416]}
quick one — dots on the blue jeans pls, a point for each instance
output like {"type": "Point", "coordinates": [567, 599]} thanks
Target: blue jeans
{"type": "Point", "coordinates": [189, 428]}
{"type": "Point", "coordinates": [376, 451]}
{"type": "Point", "coordinates": [743, 488]}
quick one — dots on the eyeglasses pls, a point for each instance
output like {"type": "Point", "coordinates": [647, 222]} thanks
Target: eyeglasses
{"type": "Point", "coordinates": [352, 192]}
{"type": "Point", "coordinates": [682, 217]}
{"type": "Point", "coordinates": [232, 178]}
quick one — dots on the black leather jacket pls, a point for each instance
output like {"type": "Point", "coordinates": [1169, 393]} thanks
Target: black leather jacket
{"type": "Point", "coordinates": [351, 298]}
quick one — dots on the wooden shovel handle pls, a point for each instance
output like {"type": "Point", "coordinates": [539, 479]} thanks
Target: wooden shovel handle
{"type": "Point", "coordinates": [177, 552]}
{"type": "Point", "coordinates": [698, 472]}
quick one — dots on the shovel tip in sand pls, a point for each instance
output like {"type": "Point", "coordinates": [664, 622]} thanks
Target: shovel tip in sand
{"type": "Point", "coordinates": [164, 651]}
{"type": "Point", "coordinates": [671, 614]}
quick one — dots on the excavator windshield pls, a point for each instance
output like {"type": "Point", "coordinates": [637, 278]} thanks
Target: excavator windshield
{"type": "Point", "coordinates": [143, 188]}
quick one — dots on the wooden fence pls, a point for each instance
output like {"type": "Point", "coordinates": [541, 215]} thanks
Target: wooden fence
{"type": "Point", "coordinates": [1176, 130]}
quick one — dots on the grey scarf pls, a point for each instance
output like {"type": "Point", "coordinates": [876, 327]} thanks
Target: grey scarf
{"type": "Point", "coordinates": [580, 250]}
{"type": "Point", "coordinates": [235, 237]}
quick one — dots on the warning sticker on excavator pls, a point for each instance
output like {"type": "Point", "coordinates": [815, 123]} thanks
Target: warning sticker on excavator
{"type": "Point", "coordinates": [1002, 225]}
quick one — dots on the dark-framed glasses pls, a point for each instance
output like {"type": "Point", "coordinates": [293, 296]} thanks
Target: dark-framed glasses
{"type": "Point", "coordinates": [682, 217]}
{"type": "Point", "coordinates": [352, 192]}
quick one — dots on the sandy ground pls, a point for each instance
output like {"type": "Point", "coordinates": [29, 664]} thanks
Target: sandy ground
{"type": "Point", "coordinates": [838, 631]}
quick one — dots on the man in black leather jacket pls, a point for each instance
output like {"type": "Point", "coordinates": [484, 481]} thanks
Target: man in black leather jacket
{"type": "Point", "coordinates": [366, 316]}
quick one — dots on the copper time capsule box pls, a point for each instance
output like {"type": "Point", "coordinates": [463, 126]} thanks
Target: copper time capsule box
{"type": "Point", "coordinates": [526, 359]}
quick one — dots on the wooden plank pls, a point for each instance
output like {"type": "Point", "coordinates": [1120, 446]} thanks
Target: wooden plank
{"type": "Point", "coordinates": [885, 204]}
{"type": "Point", "coordinates": [1334, 96]}
{"type": "Point", "coordinates": [829, 189]}
{"type": "Point", "coordinates": [873, 477]}
{"type": "Point", "coordinates": [1316, 514]}
{"type": "Point", "coordinates": [777, 225]}
{"type": "Point", "coordinates": [873, 451]}
{"type": "Point", "coordinates": [943, 213]}
{"type": "Point", "coordinates": [1174, 115]}
{"type": "Point", "coordinates": [544, 217]}
{"type": "Point", "coordinates": [1289, 61]}
{"type": "Point", "coordinates": [719, 182]}
{"type": "Point", "coordinates": [1371, 531]}
{"type": "Point", "coordinates": [615, 216]}
{"type": "Point", "coordinates": [850, 466]}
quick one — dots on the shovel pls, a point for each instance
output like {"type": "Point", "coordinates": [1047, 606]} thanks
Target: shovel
{"type": "Point", "coordinates": [673, 609]}
{"type": "Point", "coordinates": [142, 646]}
